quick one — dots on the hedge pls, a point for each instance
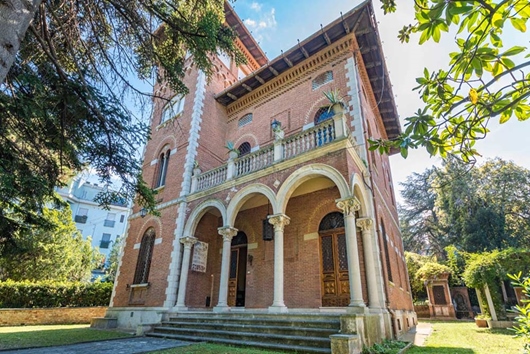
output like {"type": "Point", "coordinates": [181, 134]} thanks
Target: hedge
{"type": "Point", "coordinates": [53, 294]}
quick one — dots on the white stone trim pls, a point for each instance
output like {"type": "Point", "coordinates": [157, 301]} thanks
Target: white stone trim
{"type": "Point", "coordinates": [158, 241]}
{"type": "Point", "coordinates": [308, 126]}
{"type": "Point", "coordinates": [352, 78]}
{"type": "Point", "coordinates": [136, 246]}
{"type": "Point", "coordinates": [173, 151]}
{"type": "Point", "coordinates": [252, 246]}
{"type": "Point", "coordinates": [154, 162]}
{"type": "Point", "coordinates": [174, 265]}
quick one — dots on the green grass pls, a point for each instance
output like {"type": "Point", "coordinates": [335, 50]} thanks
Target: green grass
{"type": "Point", "coordinates": [467, 338]}
{"type": "Point", "coordinates": [45, 336]}
{"type": "Point", "coordinates": [206, 348]}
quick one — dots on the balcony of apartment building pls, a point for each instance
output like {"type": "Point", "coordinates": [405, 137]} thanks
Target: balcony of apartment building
{"type": "Point", "coordinates": [295, 148]}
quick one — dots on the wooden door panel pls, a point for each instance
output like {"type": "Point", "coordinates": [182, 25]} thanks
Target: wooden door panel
{"type": "Point", "coordinates": [334, 262]}
{"type": "Point", "coordinates": [232, 280]}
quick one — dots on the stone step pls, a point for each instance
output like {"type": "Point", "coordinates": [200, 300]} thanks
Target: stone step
{"type": "Point", "coordinates": [330, 322]}
{"type": "Point", "coordinates": [262, 327]}
{"type": "Point", "coordinates": [280, 346]}
{"type": "Point", "coordinates": [285, 339]}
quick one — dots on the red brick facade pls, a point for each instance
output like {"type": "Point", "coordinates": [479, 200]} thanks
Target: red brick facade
{"type": "Point", "coordinates": [292, 99]}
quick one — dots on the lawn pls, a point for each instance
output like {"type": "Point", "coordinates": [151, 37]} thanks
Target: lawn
{"type": "Point", "coordinates": [467, 338]}
{"type": "Point", "coordinates": [45, 336]}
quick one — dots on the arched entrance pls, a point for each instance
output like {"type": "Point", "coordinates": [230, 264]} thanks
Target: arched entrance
{"type": "Point", "coordinates": [238, 270]}
{"type": "Point", "coordinates": [334, 261]}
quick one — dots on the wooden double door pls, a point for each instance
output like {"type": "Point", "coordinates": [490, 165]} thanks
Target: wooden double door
{"type": "Point", "coordinates": [334, 266]}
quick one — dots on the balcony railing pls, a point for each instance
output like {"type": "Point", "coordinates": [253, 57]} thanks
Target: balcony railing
{"type": "Point", "coordinates": [81, 219]}
{"type": "Point", "coordinates": [281, 149]}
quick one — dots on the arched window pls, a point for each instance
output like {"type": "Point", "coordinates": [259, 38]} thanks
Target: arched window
{"type": "Point", "coordinates": [173, 108]}
{"type": "Point", "coordinates": [143, 265]}
{"type": "Point", "coordinates": [244, 149]}
{"type": "Point", "coordinates": [322, 79]}
{"type": "Point", "coordinates": [334, 220]}
{"type": "Point", "coordinates": [324, 113]}
{"type": "Point", "coordinates": [387, 254]}
{"type": "Point", "coordinates": [246, 119]}
{"type": "Point", "coordinates": [163, 162]}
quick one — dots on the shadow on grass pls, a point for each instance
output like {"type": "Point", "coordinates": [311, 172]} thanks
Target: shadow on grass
{"type": "Point", "coordinates": [42, 337]}
{"type": "Point", "coordinates": [439, 350]}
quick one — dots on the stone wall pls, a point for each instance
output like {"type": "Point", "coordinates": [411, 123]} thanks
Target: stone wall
{"type": "Point", "coordinates": [62, 315]}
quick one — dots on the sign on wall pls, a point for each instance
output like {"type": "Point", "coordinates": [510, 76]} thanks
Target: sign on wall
{"type": "Point", "coordinates": [200, 257]}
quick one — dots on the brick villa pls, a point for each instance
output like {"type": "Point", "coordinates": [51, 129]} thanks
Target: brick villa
{"type": "Point", "coordinates": [303, 222]}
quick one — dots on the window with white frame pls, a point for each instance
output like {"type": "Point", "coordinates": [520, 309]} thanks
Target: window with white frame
{"type": "Point", "coordinates": [81, 216]}
{"type": "Point", "coordinates": [110, 220]}
{"type": "Point", "coordinates": [173, 108]}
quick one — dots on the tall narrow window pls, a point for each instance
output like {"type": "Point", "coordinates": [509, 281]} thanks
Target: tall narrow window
{"type": "Point", "coordinates": [105, 241]}
{"type": "Point", "coordinates": [163, 162]}
{"type": "Point", "coordinates": [141, 275]}
{"type": "Point", "coordinates": [173, 108]}
{"type": "Point", "coordinates": [387, 254]}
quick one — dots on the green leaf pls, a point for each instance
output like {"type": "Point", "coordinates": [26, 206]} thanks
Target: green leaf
{"type": "Point", "coordinates": [497, 19]}
{"type": "Point", "coordinates": [508, 63]}
{"type": "Point", "coordinates": [505, 116]}
{"type": "Point", "coordinates": [514, 51]}
{"type": "Point", "coordinates": [404, 152]}
{"type": "Point", "coordinates": [519, 24]}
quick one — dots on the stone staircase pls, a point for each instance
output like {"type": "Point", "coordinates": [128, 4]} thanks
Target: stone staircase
{"type": "Point", "coordinates": [300, 333]}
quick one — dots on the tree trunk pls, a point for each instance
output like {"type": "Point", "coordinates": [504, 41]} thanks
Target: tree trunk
{"type": "Point", "coordinates": [15, 17]}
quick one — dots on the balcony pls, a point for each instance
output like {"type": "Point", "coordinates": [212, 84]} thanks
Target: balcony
{"type": "Point", "coordinates": [282, 149]}
{"type": "Point", "coordinates": [81, 219]}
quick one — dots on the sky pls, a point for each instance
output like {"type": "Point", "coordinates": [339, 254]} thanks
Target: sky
{"type": "Point", "coordinates": [278, 24]}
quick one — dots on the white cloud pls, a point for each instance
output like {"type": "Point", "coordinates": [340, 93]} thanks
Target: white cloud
{"type": "Point", "coordinates": [250, 23]}
{"type": "Point", "coordinates": [256, 6]}
{"type": "Point", "coordinates": [262, 24]}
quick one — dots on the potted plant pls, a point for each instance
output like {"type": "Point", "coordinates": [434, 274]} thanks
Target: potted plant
{"type": "Point", "coordinates": [232, 151]}
{"type": "Point", "coordinates": [482, 320]}
{"type": "Point", "coordinates": [336, 100]}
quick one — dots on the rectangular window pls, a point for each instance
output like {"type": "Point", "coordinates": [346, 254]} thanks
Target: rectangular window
{"type": "Point", "coordinates": [109, 222]}
{"type": "Point", "coordinates": [173, 108]}
{"type": "Point", "coordinates": [81, 215]}
{"type": "Point", "coordinates": [122, 217]}
{"type": "Point", "coordinates": [105, 241]}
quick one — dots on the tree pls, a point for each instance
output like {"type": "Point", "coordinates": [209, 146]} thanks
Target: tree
{"type": "Point", "coordinates": [62, 101]}
{"type": "Point", "coordinates": [57, 253]}
{"type": "Point", "coordinates": [483, 80]}
{"type": "Point", "coordinates": [474, 209]}
{"type": "Point", "coordinates": [114, 259]}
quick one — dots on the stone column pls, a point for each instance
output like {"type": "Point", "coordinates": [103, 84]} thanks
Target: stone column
{"type": "Point", "coordinates": [279, 221]}
{"type": "Point", "coordinates": [349, 206]}
{"type": "Point", "coordinates": [187, 241]}
{"type": "Point", "coordinates": [227, 232]}
{"type": "Point", "coordinates": [375, 288]}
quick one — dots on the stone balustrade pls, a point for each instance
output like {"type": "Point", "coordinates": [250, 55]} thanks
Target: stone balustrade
{"type": "Point", "coordinates": [282, 149]}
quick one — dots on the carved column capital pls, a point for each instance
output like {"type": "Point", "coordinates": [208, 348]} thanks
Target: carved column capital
{"type": "Point", "coordinates": [365, 224]}
{"type": "Point", "coordinates": [227, 232]}
{"type": "Point", "coordinates": [349, 205]}
{"type": "Point", "coordinates": [279, 221]}
{"type": "Point", "coordinates": [188, 241]}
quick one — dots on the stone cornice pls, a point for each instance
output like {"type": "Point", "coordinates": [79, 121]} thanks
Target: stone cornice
{"type": "Point", "coordinates": [251, 62]}
{"type": "Point", "coordinates": [291, 77]}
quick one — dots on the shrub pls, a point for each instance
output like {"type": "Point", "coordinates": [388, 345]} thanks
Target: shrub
{"type": "Point", "coordinates": [523, 311]}
{"type": "Point", "coordinates": [27, 294]}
